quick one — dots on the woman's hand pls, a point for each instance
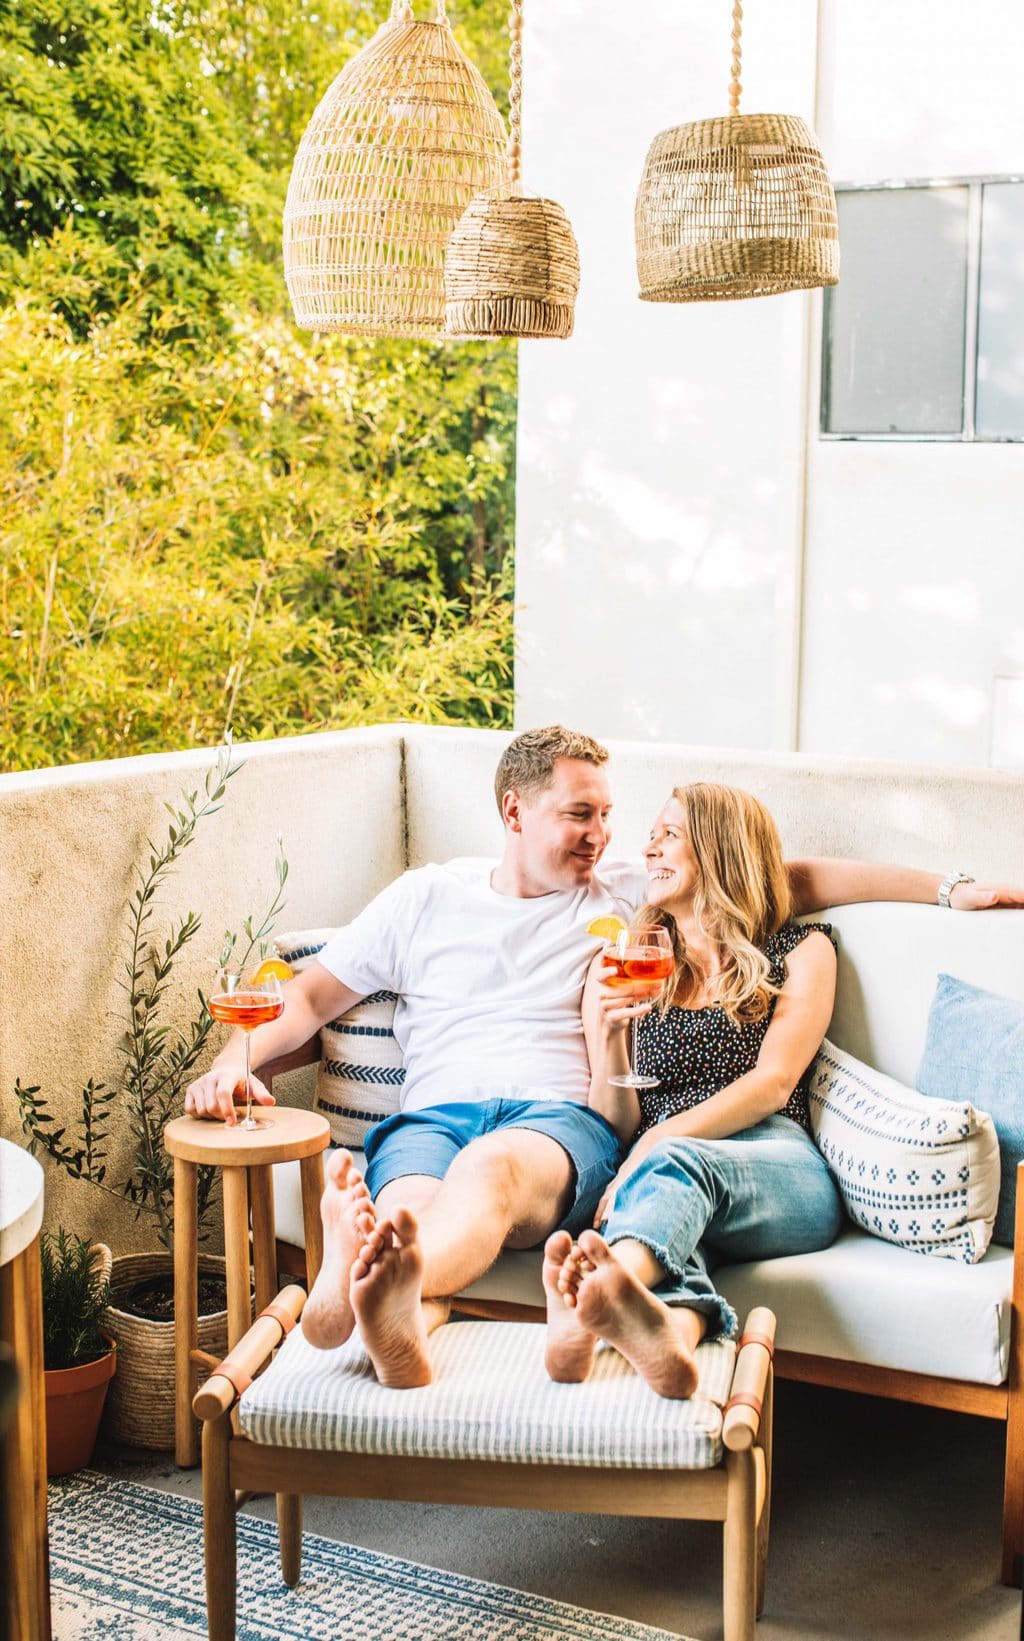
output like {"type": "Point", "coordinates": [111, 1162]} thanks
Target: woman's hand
{"type": "Point", "coordinates": [618, 1006]}
{"type": "Point", "coordinates": [631, 1164]}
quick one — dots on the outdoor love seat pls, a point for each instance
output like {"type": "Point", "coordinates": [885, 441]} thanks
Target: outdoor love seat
{"type": "Point", "coordinates": [865, 1315]}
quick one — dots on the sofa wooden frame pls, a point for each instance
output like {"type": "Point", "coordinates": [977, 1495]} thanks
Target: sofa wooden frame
{"type": "Point", "coordinates": [736, 1492]}
{"type": "Point", "coordinates": [1004, 1402]}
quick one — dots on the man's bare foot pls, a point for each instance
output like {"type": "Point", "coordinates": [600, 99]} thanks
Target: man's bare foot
{"type": "Point", "coordinates": [387, 1284]}
{"type": "Point", "coordinates": [657, 1339]}
{"type": "Point", "coordinates": [569, 1348]}
{"type": "Point", "coordinates": [348, 1218]}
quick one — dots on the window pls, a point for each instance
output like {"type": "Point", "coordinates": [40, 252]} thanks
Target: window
{"type": "Point", "coordinates": [924, 334]}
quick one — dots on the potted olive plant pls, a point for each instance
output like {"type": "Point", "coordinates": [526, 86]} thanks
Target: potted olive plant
{"type": "Point", "coordinates": [78, 1357]}
{"type": "Point", "coordinates": [141, 1092]}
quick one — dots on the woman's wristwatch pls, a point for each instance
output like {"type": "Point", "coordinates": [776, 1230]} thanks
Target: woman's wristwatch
{"type": "Point", "coordinates": [948, 884]}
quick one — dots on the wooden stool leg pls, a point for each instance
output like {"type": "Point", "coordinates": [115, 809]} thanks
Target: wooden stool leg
{"type": "Point", "coordinates": [186, 1305]}
{"type": "Point", "coordinates": [289, 1528]}
{"type": "Point", "coordinates": [236, 1252]}
{"type": "Point", "coordinates": [311, 1173]}
{"type": "Point", "coordinates": [219, 1532]}
{"type": "Point", "coordinates": [264, 1241]}
{"type": "Point", "coordinates": [739, 1536]}
{"type": "Point", "coordinates": [765, 1518]}
{"type": "Point", "coordinates": [24, 1561]}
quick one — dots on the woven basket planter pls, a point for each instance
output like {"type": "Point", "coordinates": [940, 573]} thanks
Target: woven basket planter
{"type": "Point", "coordinates": [140, 1405]}
{"type": "Point", "coordinates": [733, 207]}
{"type": "Point", "coordinates": [512, 269]}
{"type": "Point", "coordinates": [403, 139]}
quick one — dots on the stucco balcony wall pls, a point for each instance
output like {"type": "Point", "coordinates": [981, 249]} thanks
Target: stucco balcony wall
{"type": "Point", "coordinates": [354, 808]}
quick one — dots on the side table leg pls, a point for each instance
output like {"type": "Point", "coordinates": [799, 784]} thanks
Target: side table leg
{"type": "Point", "coordinates": [311, 1173]}
{"type": "Point", "coordinates": [236, 1252]}
{"type": "Point", "coordinates": [24, 1558]}
{"type": "Point", "coordinates": [186, 1306]}
{"type": "Point", "coordinates": [264, 1242]}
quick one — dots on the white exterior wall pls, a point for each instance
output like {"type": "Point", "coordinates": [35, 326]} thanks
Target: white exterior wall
{"type": "Point", "coordinates": [693, 562]}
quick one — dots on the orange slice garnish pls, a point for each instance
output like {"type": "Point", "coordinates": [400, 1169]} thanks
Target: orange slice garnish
{"type": "Point", "coordinates": [272, 968]}
{"type": "Point", "coordinates": [607, 928]}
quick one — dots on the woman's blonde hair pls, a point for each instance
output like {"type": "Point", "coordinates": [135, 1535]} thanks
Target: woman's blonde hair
{"type": "Point", "coordinates": [741, 897]}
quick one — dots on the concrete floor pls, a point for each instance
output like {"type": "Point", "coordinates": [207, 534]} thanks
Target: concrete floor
{"type": "Point", "coordinates": [886, 1527]}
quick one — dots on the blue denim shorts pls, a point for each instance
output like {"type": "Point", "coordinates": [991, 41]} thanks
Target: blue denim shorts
{"type": "Point", "coordinates": [428, 1141]}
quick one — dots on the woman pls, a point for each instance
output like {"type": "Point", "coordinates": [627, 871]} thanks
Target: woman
{"type": "Point", "coordinates": [723, 1167]}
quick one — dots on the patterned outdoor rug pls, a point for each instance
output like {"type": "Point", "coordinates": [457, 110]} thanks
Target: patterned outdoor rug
{"type": "Point", "coordinates": [126, 1564]}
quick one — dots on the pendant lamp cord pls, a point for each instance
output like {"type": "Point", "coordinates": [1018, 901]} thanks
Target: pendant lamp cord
{"type": "Point", "coordinates": [515, 98]}
{"type": "Point", "coordinates": [402, 12]}
{"type": "Point", "coordinates": [734, 84]}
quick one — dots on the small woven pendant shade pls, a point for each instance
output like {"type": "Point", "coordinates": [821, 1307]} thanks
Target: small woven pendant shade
{"type": "Point", "coordinates": [736, 206]}
{"type": "Point", "coordinates": [403, 139]}
{"type": "Point", "coordinates": [512, 267]}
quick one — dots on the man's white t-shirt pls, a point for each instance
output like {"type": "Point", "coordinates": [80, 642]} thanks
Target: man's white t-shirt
{"type": "Point", "coordinates": [489, 985]}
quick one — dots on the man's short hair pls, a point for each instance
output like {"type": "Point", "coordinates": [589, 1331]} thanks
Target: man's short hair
{"type": "Point", "coordinates": [527, 765]}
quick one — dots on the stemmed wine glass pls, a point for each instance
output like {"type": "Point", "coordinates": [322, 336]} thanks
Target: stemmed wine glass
{"type": "Point", "coordinates": [640, 957]}
{"type": "Point", "coordinates": [246, 1002]}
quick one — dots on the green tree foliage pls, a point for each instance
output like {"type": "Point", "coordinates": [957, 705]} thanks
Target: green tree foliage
{"type": "Point", "coordinates": [210, 520]}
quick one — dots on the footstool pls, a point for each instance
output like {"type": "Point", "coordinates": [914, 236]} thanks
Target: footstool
{"type": "Point", "coordinates": [492, 1429]}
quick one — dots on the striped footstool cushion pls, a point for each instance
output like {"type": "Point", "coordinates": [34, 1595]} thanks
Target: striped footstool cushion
{"type": "Point", "coordinates": [491, 1399]}
{"type": "Point", "coordinates": [361, 1073]}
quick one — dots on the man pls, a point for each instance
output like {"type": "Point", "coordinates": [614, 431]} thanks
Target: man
{"type": "Point", "coordinates": [495, 1146]}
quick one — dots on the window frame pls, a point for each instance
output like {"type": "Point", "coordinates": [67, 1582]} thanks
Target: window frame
{"type": "Point", "coordinates": [968, 434]}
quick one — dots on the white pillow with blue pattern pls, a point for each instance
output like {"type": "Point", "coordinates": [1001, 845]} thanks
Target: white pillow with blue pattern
{"type": "Point", "coordinates": [360, 1079]}
{"type": "Point", "coordinates": [918, 1172]}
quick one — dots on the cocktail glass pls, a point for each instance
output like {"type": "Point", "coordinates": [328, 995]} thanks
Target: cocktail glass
{"type": "Point", "coordinates": [640, 958]}
{"type": "Point", "coordinates": [246, 1003]}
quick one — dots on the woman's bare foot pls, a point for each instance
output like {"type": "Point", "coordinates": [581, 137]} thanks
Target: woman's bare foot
{"type": "Point", "coordinates": [569, 1348]}
{"type": "Point", "coordinates": [657, 1339]}
{"type": "Point", "coordinates": [346, 1209]}
{"type": "Point", "coordinates": [387, 1283]}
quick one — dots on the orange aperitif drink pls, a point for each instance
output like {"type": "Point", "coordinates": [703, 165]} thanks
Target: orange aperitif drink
{"type": "Point", "coordinates": [247, 1009]}
{"type": "Point", "coordinates": [248, 1002]}
{"type": "Point", "coordinates": [642, 959]}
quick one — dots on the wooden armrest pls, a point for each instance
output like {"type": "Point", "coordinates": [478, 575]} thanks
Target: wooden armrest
{"type": "Point", "coordinates": [221, 1391]}
{"type": "Point", "coordinates": [306, 1055]}
{"type": "Point", "coordinates": [749, 1381]}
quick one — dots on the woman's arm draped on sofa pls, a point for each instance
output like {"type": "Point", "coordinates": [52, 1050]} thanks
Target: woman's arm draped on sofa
{"type": "Point", "coordinates": [819, 883]}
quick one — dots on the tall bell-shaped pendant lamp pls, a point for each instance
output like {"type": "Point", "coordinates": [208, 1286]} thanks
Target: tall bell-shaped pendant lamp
{"type": "Point", "coordinates": [400, 143]}
{"type": "Point", "coordinates": [736, 206]}
{"type": "Point", "coordinates": [512, 268]}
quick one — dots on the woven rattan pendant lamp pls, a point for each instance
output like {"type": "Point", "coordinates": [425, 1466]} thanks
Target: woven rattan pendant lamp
{"type": "Point", "coordinates": [512, 267]}
{"type": "Point", "coordinates": [400, 143]}
{"type": "Point", "coordinates": [736, 206]}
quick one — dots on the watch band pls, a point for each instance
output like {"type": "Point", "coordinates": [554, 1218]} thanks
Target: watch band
{"type": "Point", "coordinates": [948, 884]}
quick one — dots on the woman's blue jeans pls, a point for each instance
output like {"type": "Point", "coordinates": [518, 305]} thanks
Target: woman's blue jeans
{"type": "Point", "coordinates": [700, 1203]}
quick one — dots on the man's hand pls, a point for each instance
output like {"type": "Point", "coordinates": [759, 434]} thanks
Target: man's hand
{"type": "Point", "coordinates": [983, 897]}
{"type": "Point", "coordinates": [213, 1095]}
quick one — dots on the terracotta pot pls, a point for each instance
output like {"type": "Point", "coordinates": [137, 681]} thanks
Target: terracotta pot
{"type": "Point", "coordinates": [74, 1403]}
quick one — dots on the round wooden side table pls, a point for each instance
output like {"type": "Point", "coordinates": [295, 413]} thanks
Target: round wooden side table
{"type": "Point", "coordinates": [287, 1135]}
{"type": "Point", "coordinates": [24, 1564]}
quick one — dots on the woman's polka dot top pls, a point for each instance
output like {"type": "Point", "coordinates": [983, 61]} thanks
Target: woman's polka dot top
{"type": "Point", "coordinates": [697, 1052]}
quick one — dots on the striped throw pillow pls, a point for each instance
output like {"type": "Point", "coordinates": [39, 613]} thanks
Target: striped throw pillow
{"type": "Point", "coordinates": [918, 1172]}
{"type": "Point", "coordinates": [360, 1079]}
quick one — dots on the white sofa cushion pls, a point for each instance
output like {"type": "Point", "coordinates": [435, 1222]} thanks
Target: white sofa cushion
{"type": "Point", "coordinates": [862, 1300]}
{"type": "Point", "coordinates": [918, 1172]}
{"type": "Point", "coordinates": [491, 1398]}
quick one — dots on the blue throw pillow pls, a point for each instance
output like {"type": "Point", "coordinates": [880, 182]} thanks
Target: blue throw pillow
{"type": "Point", "coordinates": [974, 1050]}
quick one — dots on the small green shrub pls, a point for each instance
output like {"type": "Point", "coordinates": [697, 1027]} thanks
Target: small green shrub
{"type": "Point", "coordinates": [75, 1295]}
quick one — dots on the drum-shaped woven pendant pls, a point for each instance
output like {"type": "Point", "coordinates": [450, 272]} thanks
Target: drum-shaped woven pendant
{"type": "Point", "coordinates": [512, 269]}
{"type": "Point", "coordinates": [403, 139]}
{"type": "Point", "coordinates": [737, 206]}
